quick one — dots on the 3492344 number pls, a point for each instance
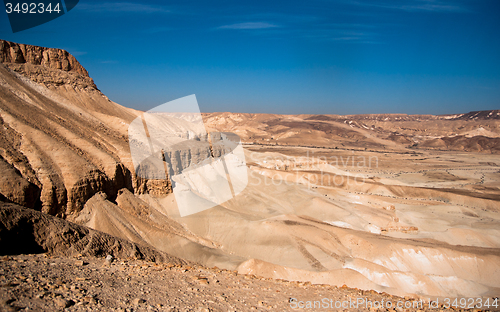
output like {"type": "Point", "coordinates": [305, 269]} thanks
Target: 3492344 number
{"type": "Point", "coordinates": [470, 303]}
{"type": "Point", "coordinates": [32, 8]}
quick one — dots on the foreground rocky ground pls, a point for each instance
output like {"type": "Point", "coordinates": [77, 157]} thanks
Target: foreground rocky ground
{"type": "Point", "coordinates": [40, 282]}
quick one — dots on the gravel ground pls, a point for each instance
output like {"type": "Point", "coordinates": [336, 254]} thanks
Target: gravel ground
{"type": "Point", "coordinates": [44, 283]}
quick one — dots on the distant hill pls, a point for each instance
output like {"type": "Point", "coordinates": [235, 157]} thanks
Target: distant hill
{"type": "Point", "coordinates": [476, 115]}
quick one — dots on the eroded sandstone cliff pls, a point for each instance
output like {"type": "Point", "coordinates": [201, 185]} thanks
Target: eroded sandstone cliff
{"type": "Point", "coordinates": [61, 139]}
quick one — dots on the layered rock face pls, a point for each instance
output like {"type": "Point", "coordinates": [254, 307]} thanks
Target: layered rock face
{"type": "Point", "coordinates": [50, 67]}
{"type": "Point", "coordinates": [16, 53]}
{"type": "Point", "coordinates": [61, 139]}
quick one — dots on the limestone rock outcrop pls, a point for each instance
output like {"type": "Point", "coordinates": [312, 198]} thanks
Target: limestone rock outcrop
{"type": "Point", "coordinates": [61, 139]}
{"type": "Point", "coordinates": [18, 53]}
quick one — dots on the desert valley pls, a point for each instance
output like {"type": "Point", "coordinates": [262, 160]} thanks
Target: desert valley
{"type": "Point", "coordinates": [381, 204]}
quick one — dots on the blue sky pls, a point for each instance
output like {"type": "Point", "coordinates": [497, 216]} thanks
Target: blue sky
{"type": "Point", "coordinates": [289, 57]}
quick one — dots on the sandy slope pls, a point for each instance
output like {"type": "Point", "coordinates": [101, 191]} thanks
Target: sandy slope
{"type": "Point", "coordinates": [387, 233]}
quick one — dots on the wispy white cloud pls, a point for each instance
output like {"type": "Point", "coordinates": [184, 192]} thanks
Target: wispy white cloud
{"type": "Point", "coordinates": [345, 32]}
{"type": "Point", "coordinates": [414, 5]}
{"type": "Point", "coordinates": [282, 17]}
{"type": "Point", "coordinates": [350, 25]}
{"type": "Point", "coordinates": [429, 8]}
{"type": "Point", "coordinates": [345, 38]}
{"type": "Point", "coordinates": [249, 25]}
{"type": "Point", "coordinates": [354, 40]}
{"type": "Point", "coordinates": [122, 7]}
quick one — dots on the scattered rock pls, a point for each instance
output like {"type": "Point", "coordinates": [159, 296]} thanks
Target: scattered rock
{"type": "Point", "coordinates": [63, 303]}
{"type": "Point", "coordinates": [138, 301]}
{"type": "Point", "coordinates": [160, 290]}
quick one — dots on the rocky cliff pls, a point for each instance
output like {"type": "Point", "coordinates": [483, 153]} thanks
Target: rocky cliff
{"type": "Point", "coordinates": [51, 67]}
{"type": "Point", "coordinates": [18, 53]}
{"type": "Point", "coordinates": [61, 139]}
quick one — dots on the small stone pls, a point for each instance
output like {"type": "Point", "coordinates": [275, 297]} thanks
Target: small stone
{"type": "Point", "coordinates": [89, 299]}
{"type": "Point", "coordinates": [138, 301]}
{"type": "Point", "coordinates": [7, 301]}
{"type": "Point", "coordinates": [109, 258]}
{"type": "Point", "coordinates": [63, 303]}
{"type": "Point", "coordinates": [202, 280]}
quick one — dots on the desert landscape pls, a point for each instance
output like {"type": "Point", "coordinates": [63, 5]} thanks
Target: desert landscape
{"type": "Point", "coordinates": [381, 205]}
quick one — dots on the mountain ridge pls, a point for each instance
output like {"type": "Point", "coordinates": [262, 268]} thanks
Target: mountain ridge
{"type": "Point", "coordinates": [19, 53]}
